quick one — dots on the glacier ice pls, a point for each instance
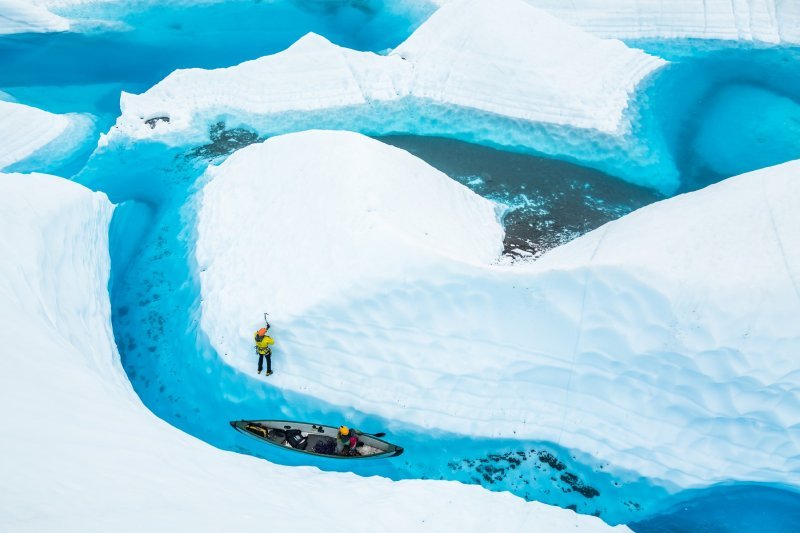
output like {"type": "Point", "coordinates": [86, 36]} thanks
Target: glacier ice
{"type": "Point", "coordinates": [510, 59]}
{"type": "Point", "coordinates": [770, 21]}
{"type": "Point", "coordinates": [663, 342]}
{"type": "Point", "coordinates": [385, 206]}
{"type": "Point", "coordinates": [638, 330]}
{"type": "Point", "coordinates": [22, 16]}
{"type": "Point", "coordinates": [33, 139]}
{"type": "Point", "coordinates": [457, 75]}
{"type": "Point", "coordinates": [76, 432]}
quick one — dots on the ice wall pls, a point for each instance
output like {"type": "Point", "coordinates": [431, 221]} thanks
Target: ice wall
{"type": "Point", "coordinates": [82, 453]}
{"type": "Point", "coordinates": [39, 139]}
{"type": "Point", "coordinates": [506, 74]}
{"type": "Point", "coordinates": [663, 343]}
{"type": "Point", "coordinates": [771, 21]}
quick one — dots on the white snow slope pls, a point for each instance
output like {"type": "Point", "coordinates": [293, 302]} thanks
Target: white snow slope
{"type": "Point", "coordinates": [22, 16]}
{"type": "Point", "coordinates": [664, 343]}
{"type": "Point", "coordinates": [81, 453]}
{"type": "Point", "coordinates": [505, 58]}
{"type": "Point", "coordinates": [28, 132]}
{"type": "Point", "coordinates": [771, 21]}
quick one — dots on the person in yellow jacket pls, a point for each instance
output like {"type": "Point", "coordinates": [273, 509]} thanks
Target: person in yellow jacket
{"type": "Point", "coordinates": [263, 342]}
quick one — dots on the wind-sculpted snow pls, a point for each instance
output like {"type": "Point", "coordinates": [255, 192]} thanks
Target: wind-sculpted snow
{"type": "Point", "coordinates": [78, 438]}
{"type": "Point", "coordinates": [500, 73]}
{"type": "Point", "coordinates": [664, 343]}
{"type": "Point", "coordinates": [381, 206]}
{"type": "Point", "coordinates": [771, 21]}
{"type": "Point", "coordinates": [22, 16]}
{"type": "Point", "coordinates": [312, 74]}
{"type": "Point", "coordinates": [510, 59]}
{"type": "Point", "coordinates": [36, 138]}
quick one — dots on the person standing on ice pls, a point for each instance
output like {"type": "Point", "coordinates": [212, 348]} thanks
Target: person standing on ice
{"type": "Point", "coordinates": [263, 342]}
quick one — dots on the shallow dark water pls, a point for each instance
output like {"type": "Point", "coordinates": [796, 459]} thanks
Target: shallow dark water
{"type": "Point", "coordinates": [550, 202]}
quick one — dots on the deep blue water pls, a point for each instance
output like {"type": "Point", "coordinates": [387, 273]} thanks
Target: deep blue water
{"type": "Point", "coordinates": [722, 109]}
{"type": "Point", "coordinates": [717, 111]}
{"type": "Point", "coordinates": [728, 509]}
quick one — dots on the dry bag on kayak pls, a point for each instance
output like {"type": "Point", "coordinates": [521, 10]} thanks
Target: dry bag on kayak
{"type": "Point", "coordinates": [296, 440]}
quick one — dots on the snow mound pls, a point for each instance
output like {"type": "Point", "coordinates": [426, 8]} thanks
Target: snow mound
{"type": "Point", "coordinates": [369, 213]}
{"type": "Point", "coordinates": [22, 16]}
{"type": "Point", "coordinates": [664, 342]}
{"type": "Point", "coordinates": [506, 58]}
{"type": "Point", "coordinates": [511, 59]}
{"type": "Point", "coordinates": [37, 137]}
{"type": "Point", "coordinates": [77, 436]}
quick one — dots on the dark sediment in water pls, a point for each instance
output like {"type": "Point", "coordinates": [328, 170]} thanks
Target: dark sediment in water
{"type": "Point", "coordinates": [550, 202]}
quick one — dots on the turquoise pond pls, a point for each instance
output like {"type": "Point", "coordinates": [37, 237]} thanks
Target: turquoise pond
{"type": "Point", "coordinates": [718, 110]}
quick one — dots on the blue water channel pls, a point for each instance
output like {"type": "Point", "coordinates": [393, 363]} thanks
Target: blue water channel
{"type": "Point", "coordinates": [700, 110]}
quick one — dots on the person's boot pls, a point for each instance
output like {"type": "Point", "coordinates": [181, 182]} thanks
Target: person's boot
{"type": "Point", "coordinates": [268, 373]}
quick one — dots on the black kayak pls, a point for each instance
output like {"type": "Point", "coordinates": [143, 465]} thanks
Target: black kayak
{"type": "Point", "coordinates": [313, 439]}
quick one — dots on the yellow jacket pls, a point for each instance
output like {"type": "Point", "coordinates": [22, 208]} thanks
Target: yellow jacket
{"type": "Point", "coordinates": [263, 345]}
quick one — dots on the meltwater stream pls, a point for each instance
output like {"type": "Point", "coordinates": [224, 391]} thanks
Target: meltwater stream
{"type": "Point", "coordinates": [155, 307]}
{"type": "Point", "coordinates": [155, 298]}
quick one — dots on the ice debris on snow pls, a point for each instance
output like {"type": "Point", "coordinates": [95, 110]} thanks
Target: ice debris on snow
{"type": "Point", "coordinates": [28, 132]}
{"type": "Point", "coordinates": [78, 437]}
{"type": "Point", "coordinates": [505, 58]}
{"type": "Point", "coordinates": [664, 342]}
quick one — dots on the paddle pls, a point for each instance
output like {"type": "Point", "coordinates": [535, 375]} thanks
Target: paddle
{"type": "Point", "coordinates": [376, 435]}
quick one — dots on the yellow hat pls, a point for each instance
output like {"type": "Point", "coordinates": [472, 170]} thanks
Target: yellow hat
{"type": "Point", "coordinates": [344, 430]}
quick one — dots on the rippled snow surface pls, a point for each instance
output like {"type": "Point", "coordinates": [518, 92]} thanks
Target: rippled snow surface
{"type": "Point", "coordinates": [718, 110]}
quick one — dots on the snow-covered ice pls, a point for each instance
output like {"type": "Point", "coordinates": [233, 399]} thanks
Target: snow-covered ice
{"type": "Point", "coordinates": [310, 75]}
{"type": "Point", "coordinates": [369, 203]}
{"type": "Point", "coordinates": [505, 58]}
{"type": "Point", "coordinates": [664, 342]}
{"type": "Point", "coordinates": [771, 21]}
{"type": "Point", "coordinates": [22, 16]}
{"type": "Point", "coordinates": [44, 139]}
{"type": "Point", "coordinates": [84, 454]}
{"type": "Point", "coordinates": [663, 345]}
{"type": "Point", "coordinates": [513, 60]}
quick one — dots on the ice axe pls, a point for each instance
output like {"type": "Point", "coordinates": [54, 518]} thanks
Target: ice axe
{"type": "Point", "coordinates": [265, 320]}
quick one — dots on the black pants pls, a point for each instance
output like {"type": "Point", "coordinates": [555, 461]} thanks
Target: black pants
{"type": "Point", "coordinates": [261, 357]}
